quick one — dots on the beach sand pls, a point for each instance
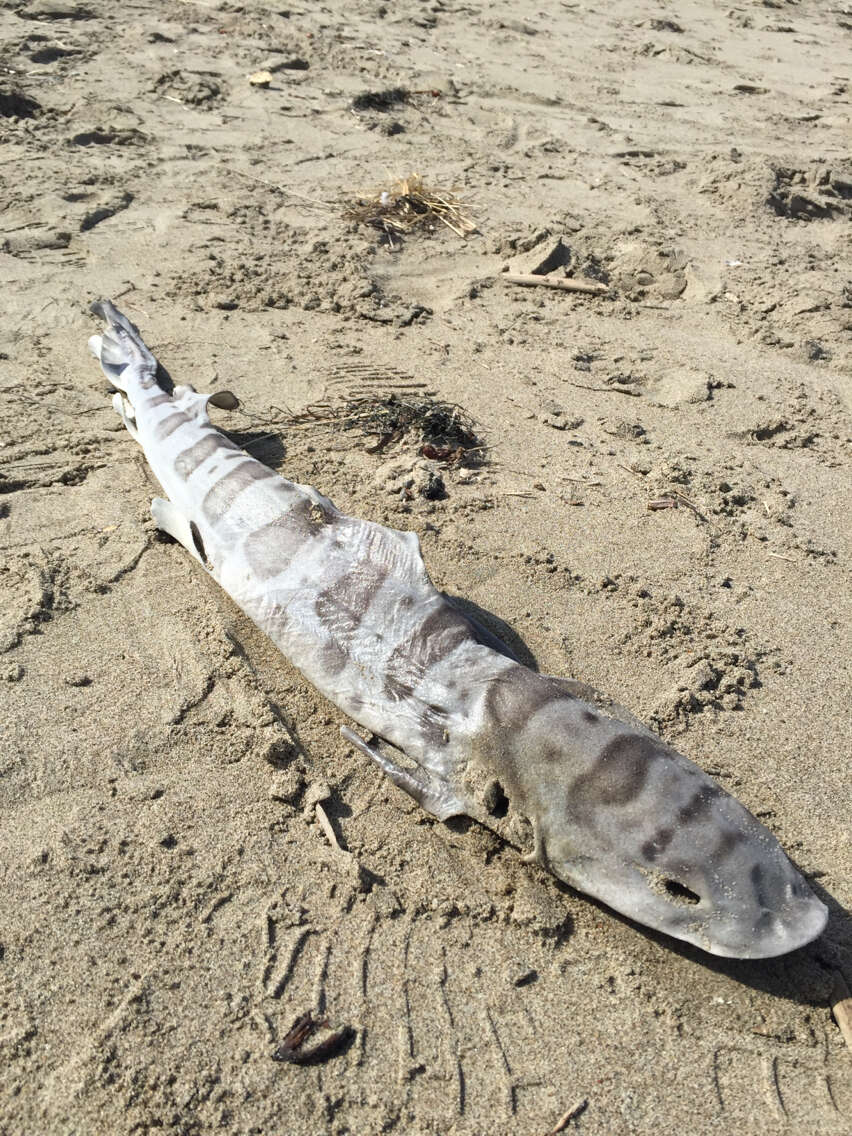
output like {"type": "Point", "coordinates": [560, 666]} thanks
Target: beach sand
{"type": "Point", "coordinates": [169, 903]}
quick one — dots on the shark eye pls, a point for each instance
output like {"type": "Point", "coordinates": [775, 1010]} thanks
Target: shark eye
{"type": "Point", "coordinates": [677, 893]}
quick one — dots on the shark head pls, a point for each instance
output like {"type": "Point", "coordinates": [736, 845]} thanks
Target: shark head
{"type": "Point", "coordinates": [621, 816]}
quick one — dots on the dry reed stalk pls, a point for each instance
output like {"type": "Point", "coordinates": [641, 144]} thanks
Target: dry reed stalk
{"type": "Point", "coordinates": [532, 280]}
{"type": "Point", "coordinates": [409, 205]}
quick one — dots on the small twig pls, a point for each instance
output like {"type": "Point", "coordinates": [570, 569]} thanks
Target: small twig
{"type": "Point", "coordinates": [325, 825]}
{"type": "Point", "coordinates": [606, 390]}
{"type": "Point", "coordinates": [663, 503]}
{"type": "Point", "coordinates": [690, 505]}
{"type": "Point", "coordinates": [299, 1032]}
{"type": "Point", "coordinates": [58, 409]}
{"type": "Point", "coordinates": [778, 556]}
{"type": "Point", "coordinates": [570, 1115]}
{"type": "Point", "coordinates": [280, 188]}
{"type": "Point", "coordinates": [672, 502]}
{"type": "Point", "coordinates": [841, 1007]}
{"type": "Point", "coordinates": [286, 414]}
{"type": "Point", "coordinates": [458, 232]}
{"type": "Point", "coordinates": [262, 438]}
{"type": "Point", "coordinates": [531, 280]}
{"type": "Point", "coordinates": [26, 225]}
{"type": "Point", "coordinates": [29, 158]}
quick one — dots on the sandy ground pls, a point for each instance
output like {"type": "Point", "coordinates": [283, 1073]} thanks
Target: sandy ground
{"type": "Point", "coordinates": [169, 904]}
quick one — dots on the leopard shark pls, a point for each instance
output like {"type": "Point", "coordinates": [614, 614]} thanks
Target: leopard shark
{"type": "Point", "coordinates": [451, 717]}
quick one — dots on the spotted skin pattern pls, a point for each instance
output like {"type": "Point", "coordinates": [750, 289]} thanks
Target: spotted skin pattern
{"type": "Point", "coordinates": [610, 808]}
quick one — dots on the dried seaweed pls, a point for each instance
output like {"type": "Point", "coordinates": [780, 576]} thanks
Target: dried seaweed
{"type": "Point", "coordinates": [441, 430]}
{"type": "Point", "coordinates": [381, 100]}
{"type": "Point", "coordinates": [290, 1050]}
{"type": "Point", "coordinates": [409, 205]}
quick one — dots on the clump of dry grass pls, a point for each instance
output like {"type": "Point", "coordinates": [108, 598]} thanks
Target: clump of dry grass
{"type": "Point", "coordinates": [441, 430]}
{"type": "Point", "coordinates": [409, 205]}
{"type": "Point", "coordinates": [381, 100]}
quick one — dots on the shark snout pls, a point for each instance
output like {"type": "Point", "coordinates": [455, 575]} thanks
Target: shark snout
{"type": "Point", "coordinates": [794, 918]}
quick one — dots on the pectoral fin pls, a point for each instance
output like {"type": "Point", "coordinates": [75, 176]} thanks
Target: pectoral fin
{"type": "Point", "coordinates": [171, 520]}
{"type": "Point", "coordinates": [125, 412]}
{"type": "Point", "coordinates": [431, 793]}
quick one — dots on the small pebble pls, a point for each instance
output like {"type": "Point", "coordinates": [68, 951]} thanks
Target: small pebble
{"type": "Point", "coordinates": [287, 785]}
{"type": "Point", "coordinates": [518, 973]}
{"type": "Point", "coordinates": [78, 679]}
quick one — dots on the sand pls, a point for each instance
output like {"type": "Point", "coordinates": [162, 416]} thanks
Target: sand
{"type": "Point", "coordinates": [169, 902]}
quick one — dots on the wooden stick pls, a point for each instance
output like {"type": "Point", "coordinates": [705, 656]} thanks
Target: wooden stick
{"type": "Point", "coordinates": [325, 825]}
{"type": "Point", "coordinates": [441, 217]}
{"type": "Point", "coordinates": [606, 390]}
{"type": "Point", "coordinates": [689, 504]}
{"type": "Point", "coordinates": [841, 1007]}
{"type": "Point", "coordinates": [663, 503]}
{"type": "Point", "coordinates": [531, 280]}
{"type": "Point", "coordinates": [570, 1115]}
